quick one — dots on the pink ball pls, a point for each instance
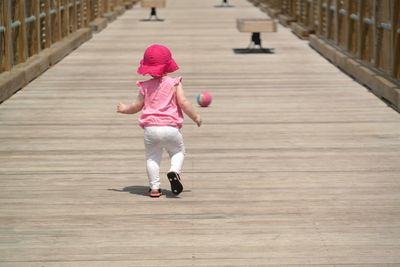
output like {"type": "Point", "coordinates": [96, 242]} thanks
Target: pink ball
{"type": "Point", "coordinates": [204, 99]}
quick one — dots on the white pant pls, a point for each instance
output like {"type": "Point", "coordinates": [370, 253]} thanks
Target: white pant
{"type": "Point", "coordinates": [156, 138]}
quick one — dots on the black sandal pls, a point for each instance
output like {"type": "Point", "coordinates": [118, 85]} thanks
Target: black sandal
{"type": "Point", "coordinates": [175, 180]}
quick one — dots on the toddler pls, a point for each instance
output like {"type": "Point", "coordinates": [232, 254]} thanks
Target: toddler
{"type": "Point", "coordinates": [161, 100]}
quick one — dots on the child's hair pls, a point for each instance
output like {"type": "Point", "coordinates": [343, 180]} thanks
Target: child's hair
{"type": "Point", "coordinates": [157, 61]}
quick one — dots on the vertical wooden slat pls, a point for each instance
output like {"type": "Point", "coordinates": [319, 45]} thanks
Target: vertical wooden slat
{"type": "Point", "coordinates": [336, 22]}
{"type": "Point", "coordinates": [367, 44]}
{"type": "Point", "coordinates": [329, 21]}
{"type": "Point", "coordinates": [92, 7]}
{"type": "Point", "coordinates": [382, 36]}
{"type": "Point", "coordinates": [348, 26]}
{"type": "Point", "coordinates": [355, 27]}
{"type": "Point", "coordinates": [106, 6]}
{"type": "Point", "coordinates": [317, 18]}
{"type": "Point", "coordinates": [79, 15]}
{"type": "Point", "coordinates": [8, 47]}
{"type": "Point", "coordinates": [73, 15]}
{"type": "Point", "coordinates": [313, 15]}
{"type": "Point", "coordinates": [396, 39]}
{"type": "Point", "coordinates": [375, 34]}
{"type": "Point", "coordinates": [321, 24]}
{"type": "Point", "coordinates": [47, 25]}
{"type": "Point", "coordinates": [36, 27]}
{"type": "Point", "coordinates": [360, 27]}
{"type": "Point", "coordinates": [64, 18]}
{"type": "Point", "coordinates": [388, 37]}
{"type": "Point", "coordinates": [340, 29]}
{"type": "Point", "coordinates": [88, 15]}
{"type": "Point", "coordinates": [22, 46]}
{"type": "Point", "coordinates": [57, 33]}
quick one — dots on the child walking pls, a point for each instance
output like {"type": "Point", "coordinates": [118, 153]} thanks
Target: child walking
{"type": "Point", "coordinates": [161, 100]}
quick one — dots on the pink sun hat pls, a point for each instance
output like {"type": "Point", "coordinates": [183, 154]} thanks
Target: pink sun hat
{"type": "Point", "coordinates": [157, 61]}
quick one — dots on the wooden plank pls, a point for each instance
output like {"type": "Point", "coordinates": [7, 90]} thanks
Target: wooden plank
{"type": "Point", "coordinates": [361, 30]}
{"type": "Point", "coordinates": [87, 13]}
{"type": "Point", "coordinates": [395, 32]}
{"type": "Point", "coordinates": [336, 22]}
{"type": "Point", "coordinates": [21, 41]}
{"type": "Point", "coordinates": [8, 48]}
{"type": "Point", "coordinates": [376, 35]}
{"type": "Point", "coordinates": [56, 22]}
{"type": "Point", "coordinates": [36, 46]}
{"type": "Point", "coordinates": [73, 16]}
{"type": "Point", "coordinates": [321, 19]}
{"type": "Point", "coordinates": [349, 26]}
{"type": "Point", "coordinates": [64, 18]}
{"type": "Point", "coordinates": [48, 38]}
{"type": "Point", "coordinates": [153, 3]}
{"type": "Point", "coordinates": [256, 25]}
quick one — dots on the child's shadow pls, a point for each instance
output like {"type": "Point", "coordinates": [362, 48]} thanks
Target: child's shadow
{"type": "Point", "coordinates": [144, 191]}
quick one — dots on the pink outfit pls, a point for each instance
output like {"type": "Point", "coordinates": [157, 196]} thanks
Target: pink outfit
{"type": "Point", "coordinates": [160, 103]}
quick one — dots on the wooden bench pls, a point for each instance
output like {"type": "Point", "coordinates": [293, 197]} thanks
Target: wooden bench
{"type": "Point", "coordinates": [153, 5]}
{"type": "Point", "coordinates": [255, 26]}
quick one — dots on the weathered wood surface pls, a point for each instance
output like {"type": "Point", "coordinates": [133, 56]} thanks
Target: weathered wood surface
{"type": "Point", "coordinates": [256, 25]}
{"type": "Point", "coordinates": [153, 3]}
{"type": "Point", "coordinates": [295, 165]}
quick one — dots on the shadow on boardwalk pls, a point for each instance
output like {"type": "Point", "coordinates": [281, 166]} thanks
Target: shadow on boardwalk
{"type": "Point", "coordinates": [143, 191]}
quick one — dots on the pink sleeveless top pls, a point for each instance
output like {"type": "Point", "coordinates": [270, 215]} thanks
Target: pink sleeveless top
{"type": "Point", "coordinates": [160, 103]}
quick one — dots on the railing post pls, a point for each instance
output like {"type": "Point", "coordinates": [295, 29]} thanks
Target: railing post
{"type": "Point", "coordinates": [313, 19]}
{"type": "Point", "coordinates": [79, 14]}
{"type": "Point", "coordinates": [56, 26]}
{"type": "Point", "coordinates": [73, 16]}
{"type": "Point", "coordinates": [330, 30]}
{"type": "Point", "coordinates": [106, 6]}
{"type": "Point", "coordinates": [8, 47]}
{"type": "Point", "coordinates": [22, 48]}
{"type": "Point", "coordinates": [360, 28]}
{"type": "Point", "coordinates": [375, 34]}
{"type": "Point", "coordinates": [321, 19]}
{"type": "Point", "coordinates": [336, 22]}
{"type": "Point", "coordinates": [85, 15]}
{"type": "Point", "coordinates": [348, 26]}
{"type": "Point", "coordinates": [64, 15]}
{"type": "Point", "coordinates": [395, 33]}
{"type": "Point", "coordinates": [48, 38]}
{"type": "Point", "coordinates": [36, 27]}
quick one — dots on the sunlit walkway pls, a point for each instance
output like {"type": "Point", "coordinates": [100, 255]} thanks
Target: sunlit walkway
{"type": "Point", "coordinates": [296, 164]}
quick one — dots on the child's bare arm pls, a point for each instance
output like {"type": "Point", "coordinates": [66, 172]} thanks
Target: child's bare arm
{"type": "Point", "coordinates": [133, 108]}
{"type": "Point", "coordinates": [186, 106]}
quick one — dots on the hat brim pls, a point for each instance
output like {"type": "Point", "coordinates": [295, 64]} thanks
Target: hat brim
{"type": "Point", "coordinates": [157, 70]}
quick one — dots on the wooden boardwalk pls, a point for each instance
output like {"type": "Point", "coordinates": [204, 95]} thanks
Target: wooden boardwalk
{"type": "Point", "coordinates": [295, 165]}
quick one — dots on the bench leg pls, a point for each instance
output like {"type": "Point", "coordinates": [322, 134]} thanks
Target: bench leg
{"type": "Point", "coordinates": [224, 3]}
{"type": "Point", "coordinates": [153, 13]}
{"type": "Point", "coordinates": [255, 41]}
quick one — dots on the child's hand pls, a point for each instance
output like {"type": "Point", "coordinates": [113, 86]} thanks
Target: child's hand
{"type": "Point", "coordinates": [122, 108]}
{"type": "Point", "coordinates": [198, 120]}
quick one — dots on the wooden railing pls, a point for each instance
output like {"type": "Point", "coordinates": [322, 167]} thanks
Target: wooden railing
{"type": "Point", "coordinates": [36, 34]}
{"type": "Point", "coordinates": [30, 26]}
{"type": "Point", "coordinates": [366, 31]}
